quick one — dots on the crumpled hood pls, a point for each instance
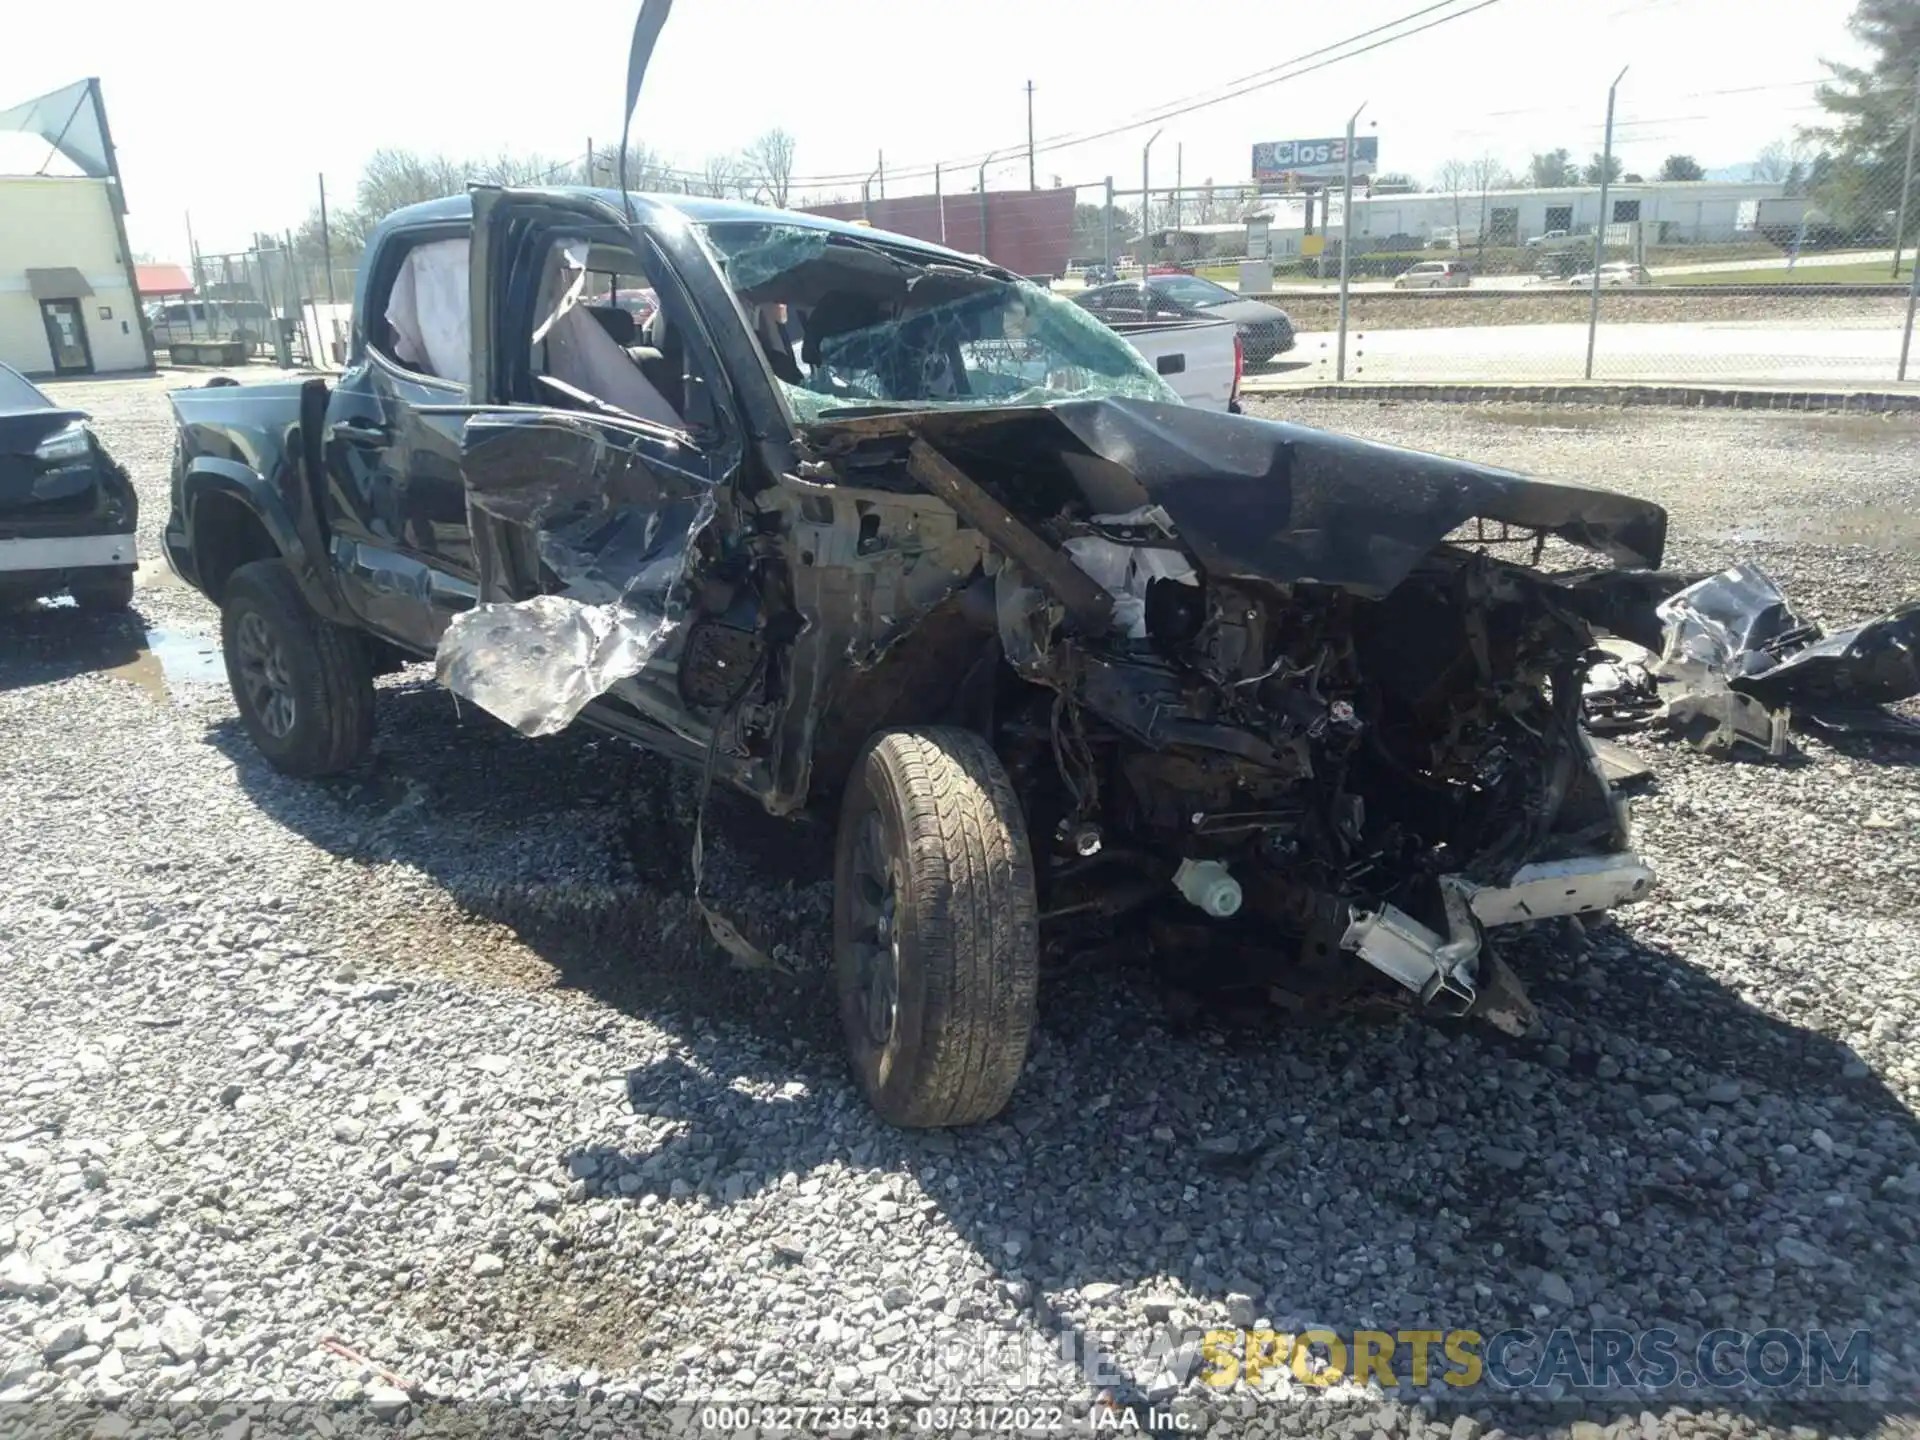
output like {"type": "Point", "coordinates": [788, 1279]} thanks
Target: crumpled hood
{"type": "Point", "coordinates": [1269, 500]}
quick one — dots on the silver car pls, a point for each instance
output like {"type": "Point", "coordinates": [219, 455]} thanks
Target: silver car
{"type": "Point", "coordinates": [1435, 275]}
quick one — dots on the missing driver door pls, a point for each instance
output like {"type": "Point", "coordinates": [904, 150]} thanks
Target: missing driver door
{"type": "Point", "coordinates": [588, 521]}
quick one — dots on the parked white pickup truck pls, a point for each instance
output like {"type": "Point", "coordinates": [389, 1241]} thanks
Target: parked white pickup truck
{"type": "Point", "coordinates": [1200, 359]}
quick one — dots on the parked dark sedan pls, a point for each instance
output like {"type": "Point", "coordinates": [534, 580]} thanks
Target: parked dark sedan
{"type": "Point", "coordinates": [1265, 330]}
{"type": "Point", "coordinates": [67, 510]}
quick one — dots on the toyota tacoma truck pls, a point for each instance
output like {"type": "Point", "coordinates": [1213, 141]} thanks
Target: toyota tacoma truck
{"type": "Point", "coordinates": [854, 522]}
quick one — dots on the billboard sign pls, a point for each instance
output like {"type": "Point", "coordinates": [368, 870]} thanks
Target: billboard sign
{"type": "Point", "coordinates": [1323, 159]}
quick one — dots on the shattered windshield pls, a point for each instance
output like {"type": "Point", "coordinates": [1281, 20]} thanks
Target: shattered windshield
{"type": "Point", "coordinates": [852, 325]}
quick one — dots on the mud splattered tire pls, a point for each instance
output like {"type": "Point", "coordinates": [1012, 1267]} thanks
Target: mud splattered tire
{"type": "Point", "coordinates": [302, 684]}
{"type": "Point", "coordinates": [103, 591]}
{"type": "Point", "coordinates": [936, 944]}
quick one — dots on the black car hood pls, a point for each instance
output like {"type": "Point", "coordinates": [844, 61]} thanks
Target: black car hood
{"type": "Point", "coordinates": [1245, 312]}
{"type": "Point", "coordinates": [1264, 499]}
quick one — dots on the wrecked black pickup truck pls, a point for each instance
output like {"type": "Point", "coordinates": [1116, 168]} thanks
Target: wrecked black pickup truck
{"type": "Point", "coordinates": [852, 520]}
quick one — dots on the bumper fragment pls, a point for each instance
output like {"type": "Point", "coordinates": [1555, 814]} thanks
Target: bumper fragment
{"type": "Point", "coordinates": [66, 552]}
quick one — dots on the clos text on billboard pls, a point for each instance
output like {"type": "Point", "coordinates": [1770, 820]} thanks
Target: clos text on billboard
{"type": "Point", "coordinates": [1273, 159]}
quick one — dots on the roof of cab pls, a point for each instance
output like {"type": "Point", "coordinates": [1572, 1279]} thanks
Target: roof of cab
{"type": "Point", "coordinates": [700, 209]}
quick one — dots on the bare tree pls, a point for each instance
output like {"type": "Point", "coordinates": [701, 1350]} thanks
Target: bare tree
{"type": "Point", "coordinates": [507, 168]}
{"type": "Point", "coordinates": [1485, 174]}
{"type": "Point", "coordinates": [1456, 178]}
{"type": "Point", "coordinates": [1776, 163]}
{"type": "Point", "coordinates": [394, 177]}
{"type": "Point", "coordinates": [722, 176]}
{"type": "Point", "coordinates": [769, 162]}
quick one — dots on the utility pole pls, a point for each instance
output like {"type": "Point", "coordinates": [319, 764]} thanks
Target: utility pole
{"type": "Point", "coordinates": [940, 198]}
{"type": "Point", "coordinates": [881, 171]}
{"type": "Point", "coordinates": [1600, 230]}
{"type": "Point", "coordinates": [983, 201]}
{"type": "Point", "coordinates": [1146, 203]}
{"type": "Point", "coordinates": [590, 175]}
{"type": "Point", "coordinates": [1906, 176]}
{"type": "Point", "coordinates": [326, 240]}
{"type": "Point", "coordinates": [1031, 185]}
{"type": "Point", "coordinates": [1107, 240]}
{"type": "Point", "coordinates": [1179, 161]}
{"type": "Point", "coordinates": [1346, 247]}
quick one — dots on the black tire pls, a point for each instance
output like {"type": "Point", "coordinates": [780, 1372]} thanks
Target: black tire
{"type": "Point", "coordinates": [103, 591]}
{"type": "Point", "coordinates": [302, 684]}
{"type": "Point", "coordinates": [935, 811]}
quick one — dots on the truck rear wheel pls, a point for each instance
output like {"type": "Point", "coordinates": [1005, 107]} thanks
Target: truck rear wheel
{"type": "Point", "coordinates": [936, 941]}
{"type": "Point", "coordinates": [302, 684]}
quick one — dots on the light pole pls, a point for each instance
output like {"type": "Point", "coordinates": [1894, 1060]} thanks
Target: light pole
{"type": "Point", "coordinates": [1600, 230]}
{"type": "Point", "coordinates": [1146, 203]}
{"type": "Point", "coordinates": [940, 198]}
{"type": "Point", "coordinates": [1106, 242]}
{"type": "Point", "coordinates": [983, 201]}
{"type": "Point", "coordinates": [1913, 299]}
{"type": "Point", "coordinates": [1346, 246]}
{"type": "Point", "coordinates": [1906, 176]}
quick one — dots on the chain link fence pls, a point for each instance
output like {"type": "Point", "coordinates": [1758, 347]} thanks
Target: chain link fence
{"type": "Point", "coordinates": [262, 304]}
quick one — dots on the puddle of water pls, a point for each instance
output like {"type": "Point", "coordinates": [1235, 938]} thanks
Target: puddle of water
{"type": "Point", "coordinates": [1876, 527]}
{"type": "Point", "coordinates": [174, 657]}
{"type": "Point", "coordinates": [1883, 527]}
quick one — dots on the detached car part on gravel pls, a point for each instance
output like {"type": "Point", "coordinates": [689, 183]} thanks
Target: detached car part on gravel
{"type": "Point", "coordinates": [1082, 669]}
{"type": "Point", "coordinates": [67, 509]}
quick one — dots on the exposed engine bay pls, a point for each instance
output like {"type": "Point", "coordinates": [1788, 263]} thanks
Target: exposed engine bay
{"type": "Point", "coordinates": [1241, 740]}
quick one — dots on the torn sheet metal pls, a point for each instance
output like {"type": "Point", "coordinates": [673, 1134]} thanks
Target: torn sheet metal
{"type": "Point", "coordinates": [1738, 666]}
{"type": "Point", "coordinates": [566, 509]}
{"type": "Point", "coordinates": [1125, 572]}
{"type": "Point", "coordinates": [1731, 622]}
{"type": "Point", "coordinates": [1724, 722]}
{"type": "Point", "coordinates": [537, 663]}
{"type": "Point", "coordinates": [1875, 663]}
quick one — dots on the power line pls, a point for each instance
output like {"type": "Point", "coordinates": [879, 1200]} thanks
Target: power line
{"type": "Point", "coordinates": [1290, 70]}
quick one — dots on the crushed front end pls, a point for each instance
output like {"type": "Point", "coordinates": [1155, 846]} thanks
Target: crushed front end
{"type": "Point", "coordinates": [1315, 721]}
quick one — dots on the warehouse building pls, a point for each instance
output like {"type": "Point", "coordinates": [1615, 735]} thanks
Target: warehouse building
{"type": "Point", "coordinates": [68, 296]}
{"type": "Point", "coordinates": [1669, 212]}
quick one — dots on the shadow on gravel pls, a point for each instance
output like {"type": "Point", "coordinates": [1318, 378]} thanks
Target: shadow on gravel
{"type": "Point", "coordinates": [1653, 1158]}
{"type": "Point", "coordinates": [44, 644]}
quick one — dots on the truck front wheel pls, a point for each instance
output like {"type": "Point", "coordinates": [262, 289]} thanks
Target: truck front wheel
{"type": "Point", "coordinates": [936, 943]}
{"type": "Point", "coordinates": [303, 684]}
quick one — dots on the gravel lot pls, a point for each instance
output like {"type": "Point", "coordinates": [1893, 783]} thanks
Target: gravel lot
{"type": "Point", "coordinates": [422, 1084]}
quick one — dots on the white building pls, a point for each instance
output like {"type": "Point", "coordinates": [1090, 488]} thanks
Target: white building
{"type": "Point", "coordinates": [68, 300]}
{"type": "Point", "coordinates": [1670, 212]}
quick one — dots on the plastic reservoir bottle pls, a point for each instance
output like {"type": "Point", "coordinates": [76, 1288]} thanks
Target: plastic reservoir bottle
{"type": "Point", "coordinates": [1209, 885]}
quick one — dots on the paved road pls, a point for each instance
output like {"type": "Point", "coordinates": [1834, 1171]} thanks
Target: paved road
{"type": "Point", "coordinates": [1780, 262]}
{"type": "Point", "coordinates": [1864, 351]}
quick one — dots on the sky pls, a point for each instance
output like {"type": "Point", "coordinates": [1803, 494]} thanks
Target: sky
{"type": "Point", "coordinates": [231, 119]}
